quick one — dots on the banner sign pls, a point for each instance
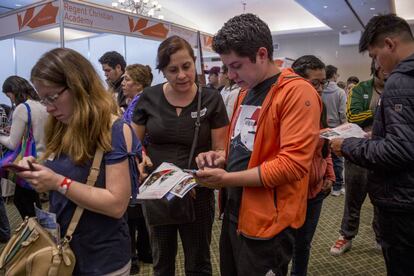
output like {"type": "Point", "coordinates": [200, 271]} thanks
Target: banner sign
{"type": "Point", "coordinates": [30, 19]}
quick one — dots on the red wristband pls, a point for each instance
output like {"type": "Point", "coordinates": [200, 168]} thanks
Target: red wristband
{"type": "Point", "coordinates": [64, 186]}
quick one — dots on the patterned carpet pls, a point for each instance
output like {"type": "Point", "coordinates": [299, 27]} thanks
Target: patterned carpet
{"type": "Point", "coordinates": [362, 260]}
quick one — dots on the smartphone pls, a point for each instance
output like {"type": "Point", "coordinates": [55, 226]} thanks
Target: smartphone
{"type": "Point", "coordinates": [190, 171]}
{"type": "Point", "coordinates": [14, 168]}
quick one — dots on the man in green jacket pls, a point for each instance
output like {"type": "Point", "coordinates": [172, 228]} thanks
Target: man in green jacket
{"type": "Point", "coordinates": [362, 100]}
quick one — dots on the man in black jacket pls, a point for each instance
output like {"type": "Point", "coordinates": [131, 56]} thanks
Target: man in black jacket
{"type": "Point", "coordinates": [389, 154]}
{"type": "Point", "coordinates": [113, 65]}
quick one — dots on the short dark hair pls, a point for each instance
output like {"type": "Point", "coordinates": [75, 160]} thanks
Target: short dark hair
{"type": "Point", "coordinates": [381, 26]}
{"type": "Point", "coordinates": [113, 58]}
{"type": "Point", "coordinates": [169, 47]}
{"type": "Point", "coordinates": [352, 79]}
{"type": "Point", "coordinates": [330, 71]}
{"type": "Point", "coordinates": [244, 34]}
{"type": "Point", "coordinates": [20, 88]}
{"type": "Point", "coordinates": [307, 62]}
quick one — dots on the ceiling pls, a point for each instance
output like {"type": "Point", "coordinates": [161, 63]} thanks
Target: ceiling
{"type": "Point", "coordinates": [281, 15]}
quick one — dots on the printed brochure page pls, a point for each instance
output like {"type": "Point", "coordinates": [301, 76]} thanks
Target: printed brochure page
{"type": "Point", "coordinates": [167, 178]}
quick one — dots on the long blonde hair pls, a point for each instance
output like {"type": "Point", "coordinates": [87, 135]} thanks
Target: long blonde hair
{"type": "Point", "coordinates": [90, 125]}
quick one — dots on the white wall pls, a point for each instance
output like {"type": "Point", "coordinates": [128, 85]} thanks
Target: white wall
{"type": "Point", "coordinates": [6, 57]}
{"type": "Point", "coordinates": [144, 51]}
{"type": "Point", "coordinates": [326, 47]}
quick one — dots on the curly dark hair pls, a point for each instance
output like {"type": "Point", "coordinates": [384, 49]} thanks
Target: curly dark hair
{"type": "Point", "coordinates": [244, 34]}
{"type": "Point", "coordinates": [307, 62]}
{"type": "Point", "coordinates": [20, 88]}
{"type": "Point", "coordinates": [381, 26]}
{"type": "Point", "coordinates": [113, 58]}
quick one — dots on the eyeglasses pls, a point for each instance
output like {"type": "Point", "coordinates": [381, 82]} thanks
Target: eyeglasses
{"type": "Point", "coordinates": [317, 83]}
{"type": "Point", "coordinates": [49, 100]}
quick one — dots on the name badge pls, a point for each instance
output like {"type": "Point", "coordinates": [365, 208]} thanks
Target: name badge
{"type": "Point", "coordinates": [366, 96]}
{"type": "Point", "coordinates": [202, 113]}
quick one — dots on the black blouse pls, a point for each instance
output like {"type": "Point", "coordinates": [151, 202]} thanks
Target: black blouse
{"type": "Point", "coordinates": [170, 136]}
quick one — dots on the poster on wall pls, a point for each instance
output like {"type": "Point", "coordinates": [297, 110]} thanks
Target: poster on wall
{"type": "Point", "coordinates": [30, 19]}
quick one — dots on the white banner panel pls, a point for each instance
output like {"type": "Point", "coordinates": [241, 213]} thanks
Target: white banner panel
{"type": "Point", "coordinates": [30, 19]}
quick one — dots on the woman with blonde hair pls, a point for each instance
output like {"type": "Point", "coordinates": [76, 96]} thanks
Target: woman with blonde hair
{"type": "Point", "coordinates": [83, 120]}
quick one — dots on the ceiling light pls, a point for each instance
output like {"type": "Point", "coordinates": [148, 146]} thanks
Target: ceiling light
{"type": "Point", "coordinates": [325, 7]}
{"type": "Point", "coordinates": [143, 7]}
{"type": "Point", "coordinates": [345, 26]}
{"type": "Point", "coordinates": [18, 5]}
{"type": "Point", "coordinates": [372, 9]}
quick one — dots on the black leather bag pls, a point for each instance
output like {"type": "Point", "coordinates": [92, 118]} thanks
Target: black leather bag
{"type": "Point", "coordinates": [176, 210]}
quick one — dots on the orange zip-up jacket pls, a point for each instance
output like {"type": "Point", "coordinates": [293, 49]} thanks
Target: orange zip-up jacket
{"type": "Point", "coordinates": [286, 137]}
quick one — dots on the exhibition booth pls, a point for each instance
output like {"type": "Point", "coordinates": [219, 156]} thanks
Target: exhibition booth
{"type": "Point", "coordinates": [88, 28]}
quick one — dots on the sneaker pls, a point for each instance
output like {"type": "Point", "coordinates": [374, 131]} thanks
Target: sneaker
{"type": "Point", "coordinates": [341, 246]}
{"type": "Point", "coordinates": [342, 191]}
{"type": "Point", "coordinates": [336, 193]}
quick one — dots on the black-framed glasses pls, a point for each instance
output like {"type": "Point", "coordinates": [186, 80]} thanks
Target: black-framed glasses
{"type": "Point", "coordinates": [319, 83]}
{"type": "Point", "coordinates": [49, 100]}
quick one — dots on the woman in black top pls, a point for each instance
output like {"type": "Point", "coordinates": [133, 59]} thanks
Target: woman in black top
{"type": "Point", "coordinates": [167, 113]}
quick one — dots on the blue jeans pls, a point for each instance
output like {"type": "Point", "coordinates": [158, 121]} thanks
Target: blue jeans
{"type": "Point", "coordinates": [338, 164]}
{"type": "Point", "coordinates": [304, 236]}
{"type": "Point", "coordinates": [4, 222]}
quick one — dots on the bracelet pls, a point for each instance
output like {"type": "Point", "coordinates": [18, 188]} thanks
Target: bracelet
{"type": "Point", "coordinates": [64, 186]}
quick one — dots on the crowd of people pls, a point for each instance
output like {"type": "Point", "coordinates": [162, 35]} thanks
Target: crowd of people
{"type": "Point", "coordinates": [252, 133]}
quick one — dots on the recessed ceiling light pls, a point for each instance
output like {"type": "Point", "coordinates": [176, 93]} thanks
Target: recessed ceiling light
{"type": "Point", "coordinates": [372, 9]}
{"type": "Point", "coordinates": [345, 26]}
{"type": "Point", "coordinates": [114, 4]}
{"type": "Point", "coordinates": [325, 7]}
{"type": "Point", "coordinates": [18, 5]}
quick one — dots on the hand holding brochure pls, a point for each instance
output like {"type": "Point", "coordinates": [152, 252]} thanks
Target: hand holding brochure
{"type": "Point", "coordinates": [167, 178]}
{"type": "Point", "coordinates": [347, 130]}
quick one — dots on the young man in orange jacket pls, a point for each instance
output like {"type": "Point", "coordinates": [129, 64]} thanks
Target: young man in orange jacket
{"type": "Point", "coordinates": [273, 135]}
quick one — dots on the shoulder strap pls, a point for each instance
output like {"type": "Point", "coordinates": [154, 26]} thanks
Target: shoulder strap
{"type": "Point", "coordinates": [29, 120]}
{"type": "Point", "coordinates": [93, 175]}
{"type": "Point", "coordinates": [197, 128]}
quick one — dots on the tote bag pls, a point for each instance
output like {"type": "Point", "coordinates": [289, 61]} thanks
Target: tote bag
{"type": "Point", "coordinates": [27, 147]}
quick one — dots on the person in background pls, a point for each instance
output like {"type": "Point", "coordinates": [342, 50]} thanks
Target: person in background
{"type": "Point", "coordinates": [334, 99]}
{"type": "Point", "coordinates": [230, 90]}
{"type": "Point", "coordinates": [351, 82]}
{"type": "Point", "coordinates": [170, 129]}
{"type": "Point", "coordinates": [213, 78]}
{"type": "Point", "coordinates": [113, 65]}
{"type": "Point", "coordinates": [321, 173]}
{"type": "Point", "coordinates": [362, 101]}
{"type": "Point", "coordinates": [4, 221]}
{"type": "Point", "coordinates": [341, 84]}
{"type": "Point", "coordinates": [83, 119]}
{"type": "Point", "coordinates": [136, 78]}
{"type": "Point", "coordinates": [389, 153]}
{"type": "Point", "coordinates": [273, 136]}
{"type": "Point", "coordinates": [20, 93]}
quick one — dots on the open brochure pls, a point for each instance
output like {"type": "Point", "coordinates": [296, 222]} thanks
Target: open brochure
{"type": "Point", "coordinates": [343, 131]}
{"type": "Point", "coordinates": [167, 179]}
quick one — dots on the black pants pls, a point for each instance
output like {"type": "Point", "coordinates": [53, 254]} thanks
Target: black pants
{"type": "Point", "coordinates": [140, 244]}
{"type": "Point", "coordinates": [195, 237]}
{"type": "Point", "coordinates": [24, 199]}
{"type": "Point", "coordinates": [397, 241]}
{"type": "Point", "coordinates": [241, 256]}
{"type": "Point", "coordinates": [356, 184]}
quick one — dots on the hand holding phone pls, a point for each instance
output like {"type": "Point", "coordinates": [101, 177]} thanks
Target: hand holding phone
{"type": "Point", "coordinates": [190, 171]}
{"type": "Point", "coordinates": [15, 168]}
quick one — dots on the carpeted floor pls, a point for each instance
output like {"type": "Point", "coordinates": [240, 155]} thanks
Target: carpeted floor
{"type": "Point", "coordinates": [362, 260]}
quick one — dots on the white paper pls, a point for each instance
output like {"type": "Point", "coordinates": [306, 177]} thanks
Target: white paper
{"type": "Point", "coordinates": [166, 178]}
{"type": "Point", "coordinates": [347, 130]}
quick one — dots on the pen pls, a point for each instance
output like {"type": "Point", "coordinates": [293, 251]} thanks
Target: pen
{"type": "Point", "coordinates": [30, 165]}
